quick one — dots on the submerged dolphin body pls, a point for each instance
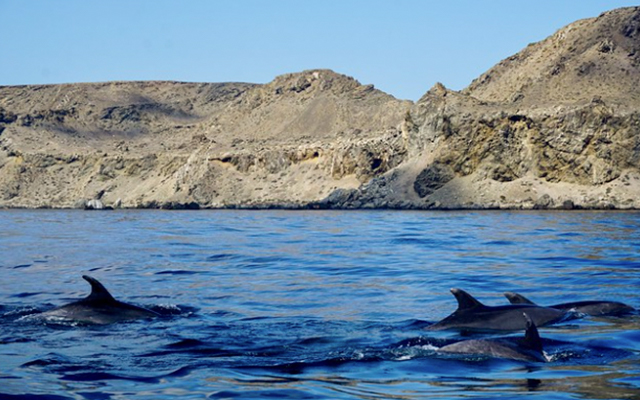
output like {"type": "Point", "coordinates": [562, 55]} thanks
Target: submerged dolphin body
{"type": "Point", "coordinates": [472, 315]}
{"type": "Point", "coordinates": [98, 308]}
{"type": "Point", "coordinates": [594, 308]}
{"type": "Point", "coordinates": [527, 348]}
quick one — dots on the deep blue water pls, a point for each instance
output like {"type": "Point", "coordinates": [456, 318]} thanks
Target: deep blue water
{"type": "Point", "coordinates": [311, 305]}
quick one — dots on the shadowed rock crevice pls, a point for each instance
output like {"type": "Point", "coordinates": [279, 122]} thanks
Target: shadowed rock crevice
{"type": "Point", "coordinates": [432, 178]}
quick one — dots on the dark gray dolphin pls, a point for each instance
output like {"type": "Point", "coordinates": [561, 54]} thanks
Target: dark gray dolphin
{"type": "Point", "coordinates": [472, 315]}
{"type": "Point", "coordinates": [592, 307]}
{"type": "Point", "coordinates": [98, 308]}
{"type": "Point", "coordinates": [527, 348]}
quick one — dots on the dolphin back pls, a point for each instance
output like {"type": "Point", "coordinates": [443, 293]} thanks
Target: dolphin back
{"type": "Point", "coordinates": [472, 315]}
{"type": "Point", "coordinates": [516, 298]}
{"type": "Point", "coordinates": [596, 308]}
{"type": "Point", "coordinates": [465, 300]}
{"type": "Point", "coordinates": [99, 307]}
{"type": "Point", "coordinates": [98, 291]}
{"type": "Point", "coordinates": [528, 348]}
{"type": "Point", "coordinates": [590, 307]}
{"type": "Point", "coordinates": [532, 339]}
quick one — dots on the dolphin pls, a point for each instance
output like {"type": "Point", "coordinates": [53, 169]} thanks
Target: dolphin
{"type": "Point", "coordinates": [98, 308]}
{"type": "Point", "coordinates": [528, 348]}
{"type": "Point", "coordinates": [472, 315]}
{"type": "Point", "coordinates": [593, 307]}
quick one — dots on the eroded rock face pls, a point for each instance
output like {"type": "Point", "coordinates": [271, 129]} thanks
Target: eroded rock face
{"type": "Point", "coordinates": [591, 58]}
{"type": "Point", "coordinates": [476, 155]}
{"type": "Point", "coordinates": [432, 178]}
{"type": "Point", "coordinates": [587, 145]}
{"type": "Point", "coordinates": [554, 126]}
{"type": "Point", "coordinates": [172, 145]}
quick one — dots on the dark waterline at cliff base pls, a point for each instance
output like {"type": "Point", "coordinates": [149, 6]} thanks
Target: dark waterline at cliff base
{"type": "Point", "coordinates": [300, 304]}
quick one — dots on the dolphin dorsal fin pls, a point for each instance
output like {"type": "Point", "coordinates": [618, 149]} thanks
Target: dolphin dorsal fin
{"type": "Point", "coordinates": [515, 298]}
{"type": "Point", "coordinates": [531, 336]}
{"type": "Point", "coordinates": [465, 300]}
{"type": "Point", "coordinates": [98, 291]}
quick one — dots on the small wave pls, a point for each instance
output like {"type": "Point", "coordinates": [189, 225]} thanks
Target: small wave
{"type": "Point", "coordinates": [106, 376]}
{"type": "Point", "coordinates": [417, 323]}
{"type": "Point", "coordinates": [33, 396]}
{"type": "Point", "coordinates": [176, 272]}
{"type": "Point", "coordinates": [172, 309]}
{"type": "Point", "coordinates": [221, 256]}
{"type": "Point", "coordinates": [11, 340]}
{"type": "Point", "coordinates": [20, 312]}
{"type": "Point", "coordinates": [192, 348]}
{"type": "Point", "coordinates": [265, 394]}
{"type": "Point", "coordinates": [298, 367]}
{"type": "Point", "coordinates": [50, 359]}
{"type": "Point", "coordinates": [181, 255]}
{"type": "Point", "coordinates": [184, 244]}
{"type": "Point", "coordinates": [570, 234]}
{"type": "Point", "coordinates": [25, 294]}
{"type": "Point", "coordinates": [410, 353]}
{"type": "Point", "coordinates": [315, 341]}
{"type": "Point", "coordinates": [412, 348]}
{"type": "Point", "coordinates": [54, 320]}
{"type": "Point", "coordinates": [419, 241]}
{"type": "Point", "coordinates": [499, 243]}
{"type": "Point", "coordinates": [547, 357]}
{"type": "Point", "coordinates": [185, 343]}
{"type": "Point", "coordinates": [421, 341]}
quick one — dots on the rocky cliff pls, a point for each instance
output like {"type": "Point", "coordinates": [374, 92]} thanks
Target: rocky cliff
{"type": "Point", "coordinates": [554, 126]}
{"type": "Point", "coordinates": [171, 144]}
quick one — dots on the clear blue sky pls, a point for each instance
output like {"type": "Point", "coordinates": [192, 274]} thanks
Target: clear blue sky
{"type": "Point", "coordinates": [401, 46]}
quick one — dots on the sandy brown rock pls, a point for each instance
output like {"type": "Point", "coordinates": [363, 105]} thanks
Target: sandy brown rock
{"type": "Point", "coordinates": [595, 58]}
{"type": "Point", "coordinates": [525, 135]}
{"type": "Point", "coordinates": [554, 126]}
{"type": "Point", "coordinates": [167, 144]}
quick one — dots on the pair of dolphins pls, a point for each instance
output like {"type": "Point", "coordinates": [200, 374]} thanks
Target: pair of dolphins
{"type": "Point", "coordinates": [475, 316]}
{"type": "Point", "coordinates": [101, 308]}
{"type": "Point", "coordinates": [521, 314]}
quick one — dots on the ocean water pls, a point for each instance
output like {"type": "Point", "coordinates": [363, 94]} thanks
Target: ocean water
{"type": "Point", "coordinates": [311, 305]}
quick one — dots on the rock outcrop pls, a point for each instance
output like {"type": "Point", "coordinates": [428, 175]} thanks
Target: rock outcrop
{"type": "Point", "coordinates": [182, 145]}
{"type": "Point", "coordinates": [554, 126]}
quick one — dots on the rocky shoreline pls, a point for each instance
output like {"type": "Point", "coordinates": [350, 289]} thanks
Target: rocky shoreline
{"type": "Point", "coordinates": [556, 126]}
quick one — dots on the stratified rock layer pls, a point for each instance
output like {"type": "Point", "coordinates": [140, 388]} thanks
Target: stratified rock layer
{"type": "Point", "coordinates": [554, 126]}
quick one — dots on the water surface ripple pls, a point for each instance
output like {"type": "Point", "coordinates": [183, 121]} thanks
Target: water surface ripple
{"type": "Point", "coordinates": [311, 305]}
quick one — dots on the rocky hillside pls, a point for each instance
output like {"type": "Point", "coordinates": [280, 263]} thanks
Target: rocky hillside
{"type": "Point", "coordinates": [171, 144]}
{"type": "Point", "coordinates": [554, 126]}
{"type": "Point", "coordinates": [589, 60]}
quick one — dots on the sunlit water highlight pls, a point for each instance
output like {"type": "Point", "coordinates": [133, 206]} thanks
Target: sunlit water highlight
{"type": "Point", "coordinates": [310, 305]}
